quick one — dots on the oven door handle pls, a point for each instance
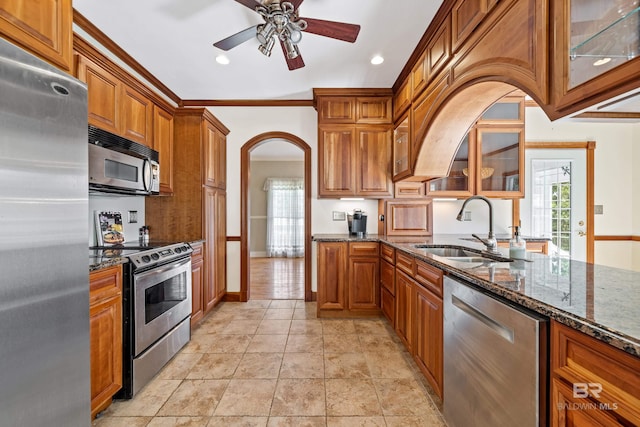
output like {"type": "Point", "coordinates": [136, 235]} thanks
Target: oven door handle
{"type": "Point", "coordinates": [163, 269]}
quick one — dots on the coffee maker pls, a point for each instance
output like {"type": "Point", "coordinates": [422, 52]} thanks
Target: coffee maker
{"type": "Point", "coordinates": [357, 223]}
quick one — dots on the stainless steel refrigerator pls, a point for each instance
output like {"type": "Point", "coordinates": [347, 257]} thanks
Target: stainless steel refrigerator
{"type": "Point", "coordinates": [44, 286]}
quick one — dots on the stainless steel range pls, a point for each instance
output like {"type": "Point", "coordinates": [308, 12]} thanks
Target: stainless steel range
{"type": "Point", "coordinates": [156, 307]}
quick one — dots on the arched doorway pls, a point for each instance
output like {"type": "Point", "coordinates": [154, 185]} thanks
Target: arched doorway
{"type": "Point", "coordinates": [245, 173]}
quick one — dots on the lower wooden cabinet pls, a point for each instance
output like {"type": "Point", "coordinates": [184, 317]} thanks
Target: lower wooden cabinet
{"type": "Point", "coordinates": [593, 384]}
{"type": "Point", "coordinates": [348, 278]}
{"type": "Point", "coordinates": [428, 346]}
{"type": "Point", "coordinates": [404, 309]}
{"type": "Point", "coordinates": [105, 325]}
{"type": "Point", "coordinates": [197, 283]}
{"type": "Point", "coordinates": [215, 211]}
{"type": "Point", "coordinates": [388, 289]}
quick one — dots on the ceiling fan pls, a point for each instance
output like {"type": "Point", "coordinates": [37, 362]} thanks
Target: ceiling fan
{"type": "Point", "coordinates": [281, 21]}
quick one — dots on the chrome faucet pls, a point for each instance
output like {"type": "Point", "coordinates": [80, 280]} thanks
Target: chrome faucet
{"type": "Point", "coordinates": [490, 242]}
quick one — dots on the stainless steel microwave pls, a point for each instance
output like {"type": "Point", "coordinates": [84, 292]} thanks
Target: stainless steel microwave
{"type": "Point", "coordinates": [117, 165]}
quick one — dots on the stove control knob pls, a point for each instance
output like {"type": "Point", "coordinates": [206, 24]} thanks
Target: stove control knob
{"type": "Point", "coordinates": [155, 256]}
{"type": "Point", "coordinates": [146, 258]}
{"type": "Point", "coordinates": [178, 250]}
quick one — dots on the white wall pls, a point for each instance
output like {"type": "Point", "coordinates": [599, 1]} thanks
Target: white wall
{"type": "Point", "coordinates": [245, 123]}
{"type": "Point", "coordinates": [615, 178]}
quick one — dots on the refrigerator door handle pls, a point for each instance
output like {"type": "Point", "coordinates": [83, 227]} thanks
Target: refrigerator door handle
{"type": "Point", "coordinates": [504, 331]}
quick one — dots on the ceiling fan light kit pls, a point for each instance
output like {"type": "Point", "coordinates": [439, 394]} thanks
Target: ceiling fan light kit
{"type": "Point", "coordinates": [283, 22]}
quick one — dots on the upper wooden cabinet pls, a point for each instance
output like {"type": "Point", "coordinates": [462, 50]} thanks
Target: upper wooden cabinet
{"type": "Point", "coordinates": [354, 142]}
{"type": "Point", "coordinates": [402, 148]}
{"type": "Point", "coordinates": [41, 27]}
{"type": "Point", "coordinates": [466, 16]}
{"type": "Point", "coordinates": [114, 106]}
{"type": "Point", "coordinates": [104, 92]}
{"type": "Point", "coordinates": [408, 217]}
{"type": "Point", "coordinates": [490, 159]}
{"type": "Point", "coordinates": [215, 156]}
{"type": "Point", "coordinates": [597, 51]}
{"type": "Point", "coordinates": [163, 144]}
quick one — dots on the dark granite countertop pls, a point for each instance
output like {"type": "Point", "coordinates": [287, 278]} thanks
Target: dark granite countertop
{"type": "Point", "coordinates": [97, 263]}
{"type": "Point", "coordinates": [603, 302]}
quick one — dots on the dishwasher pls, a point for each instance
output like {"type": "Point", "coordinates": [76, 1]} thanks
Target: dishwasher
{"type": "Point", "coordinates": [495, 364]}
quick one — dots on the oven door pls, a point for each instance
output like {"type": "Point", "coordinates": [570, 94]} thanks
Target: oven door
{"type": "Point", "coordinates": [162, 299]}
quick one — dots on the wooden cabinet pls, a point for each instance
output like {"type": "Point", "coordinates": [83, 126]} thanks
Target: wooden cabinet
{"type": "Point", "coordinates": [388, 290]}
{"type": "Point", "coordinates": [409, 190]}
{"type": "Point", "coordinates": [115, 106]}
{"type": "Point", "coordinates": [408, 217]}
{"type": "Point", "coordinates": [354, 142]}
{"type": "Point", "coordinates": [348, 278]}
{"type": "Point", "coordinates": [404, 308]}
{"type": "Point", "coordinates": [163, 144]}
{"type": "Point", "coordinates": [332, 275]}
{"type": "Point", "coordinates": [41, 27]}
{"type": "Point", "coordinates": [103, 94]}
{"type": "Point", "coordinates": [540, 247]}
{"type": "Point", "coordinates": [354, 161]}
{"type": "Point", "coordinates": [490, 159]}
{"type": "Point", "coordinates": [197, 283]}
{"type": "Point", "coordinates": [402, 148]}
{"type": "Point", "coordinates": [197, 210]}
{"type": "Point", "coordinates": [428, 321]}
{"type": "Point", "coordinates": [215, 157]}
{"type": "Point", "coordinates": [592, 382]}
{"type": "Point", "coordinates": [105, 325]}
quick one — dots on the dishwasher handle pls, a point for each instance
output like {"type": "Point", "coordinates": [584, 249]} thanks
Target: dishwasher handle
{"type": "Point", "coordinates": [502, 330]}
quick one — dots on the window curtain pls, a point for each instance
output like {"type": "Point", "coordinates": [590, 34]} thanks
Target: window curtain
{"type": "Point", "coordinates": [285, 217]}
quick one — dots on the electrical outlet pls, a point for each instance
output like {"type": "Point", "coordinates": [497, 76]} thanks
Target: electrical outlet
{"type": "Point", "coordinates": [339, 216]}
{"type": "Point", "coordinates": [133, 217]}
{"type": "Point", "coordinates": [466, 216]}
{"type": "Point", "coordinates": [598, 210]}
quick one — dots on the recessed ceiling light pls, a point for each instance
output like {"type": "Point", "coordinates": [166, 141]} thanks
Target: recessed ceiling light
{"type": "Point", "coordinates": [221, 59]}
{"type": "Point", "coordinates": [602, 61]}
{"type": "Point", "coordinates": [377, 60]}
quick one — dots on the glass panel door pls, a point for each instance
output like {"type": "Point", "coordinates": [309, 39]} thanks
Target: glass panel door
{"type": "Point", "coordinates": [500, 161]}
{"type": "Point", "coordinates": [460, 181]}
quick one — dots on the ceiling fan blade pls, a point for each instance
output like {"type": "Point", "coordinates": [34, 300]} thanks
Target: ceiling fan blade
{"type": "Point", "coordinates": [293, 64]}
{"type": "Point", "coordinates": [236, 39]}
{"type": "Point", "coordinates": [251, 4]}
{"type": "Point", "coordinates": [335, 30]}
{"type": "Point", "coordinates": [296, 3]}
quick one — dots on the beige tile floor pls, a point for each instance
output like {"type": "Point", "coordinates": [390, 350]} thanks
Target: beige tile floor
{"type": "Point", "coordinates": [274, 363]}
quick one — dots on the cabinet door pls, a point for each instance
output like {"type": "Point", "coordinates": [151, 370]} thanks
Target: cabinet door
{"type": "Point", "coordinates": [221, 244]}
{"type": "Point", "coordinates": [567, 411]}
{"type": "Point", "coordinates": [388, 277]}
{"type": "Point", "coordinates": [388, 306]}
{"type": "Point", "coordinates": [373, 109]}
{"type": "Point", "coordinates": [337, 109]}
{"type": "Point", "coordinates": [336, 161]}
{"type": "Point", "coordinates": [332, 275]}
{"type": "Point", "coordinates": [197, 283]}
{"type": "Point", "coordinates": [211, 236]}
{"type": "Point", "coordinates": [364, 283]}
{"type": "Point", "coordinates": [401, 148]}
{"type": "Point", "coordinates": [163, 144]}
{"type": "Point", "coordinates": [404, 309]}
{"type": "Point", "coordinates": [103, 95]}
{"type": "Point", "coordinates": [500, 160]}
{"type": "Point", "coordinates": [221, 155]}
{"type": "Point", "coordinates": [460, 182]}
{"type": "Point", "coordinates": [373, 162]}
{"type": "Point", "coordinates": [408, 218]}
{"type": "Point", "coordinates": [428, 345]}
{"type": "Point", "coordinates": [215, 152]}
{"type": "Point", "coordinates": [42, 27]}
{"type": "Point", "coordinates": [105, 331]}
{"type": "Point", "coordinates": [136, 117]}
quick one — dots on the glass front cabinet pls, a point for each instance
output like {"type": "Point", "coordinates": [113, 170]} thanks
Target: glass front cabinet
{"type": "Point", "coordinates": [490, 159]}
{"type": "Point", "coordinates": [401, 145]}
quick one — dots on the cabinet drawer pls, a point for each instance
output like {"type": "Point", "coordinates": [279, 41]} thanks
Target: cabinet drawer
{"type": "Point", "coordinates": [388, 253]}
{"type": "Point", "coordinates": [429, 276]}
{"type": "Point", "coordinates": [105, 283]}
{"type": "Point", "coordinates": [197, 253]}
{"type": "Point", "coordinates": [405, 262]}
{"type": "Point", "coordinates": [387, 277]}
{"type": "Point", "coordinates": [363, 249]}
{"type": "Point", "coordinates": [579, 358]}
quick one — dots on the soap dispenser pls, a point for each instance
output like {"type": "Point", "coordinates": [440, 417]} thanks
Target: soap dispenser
{"type": "Point", "coordinates": [517, 245]}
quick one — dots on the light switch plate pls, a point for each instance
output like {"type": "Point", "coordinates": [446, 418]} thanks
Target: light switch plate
{"type": "Point", "coordinates": [598, 209]}
{"type": "Point", "coordinates": [133, 217]}
{"type": "Point", "coordinates": [339, 216]}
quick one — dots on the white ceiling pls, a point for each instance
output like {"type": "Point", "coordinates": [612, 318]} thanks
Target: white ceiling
{"type": "Point", "coordinates": [173, 39]}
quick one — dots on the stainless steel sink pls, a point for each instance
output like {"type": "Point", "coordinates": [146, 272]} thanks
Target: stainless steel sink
{"type": "Point", "coordinates": [461, 254]}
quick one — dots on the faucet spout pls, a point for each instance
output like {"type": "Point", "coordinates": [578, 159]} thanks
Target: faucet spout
{"type": "Point", "coordinates": [490, 242]}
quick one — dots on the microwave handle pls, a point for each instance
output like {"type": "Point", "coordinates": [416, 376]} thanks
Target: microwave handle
{"type": "Point", "coordinates": [147, 175]}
